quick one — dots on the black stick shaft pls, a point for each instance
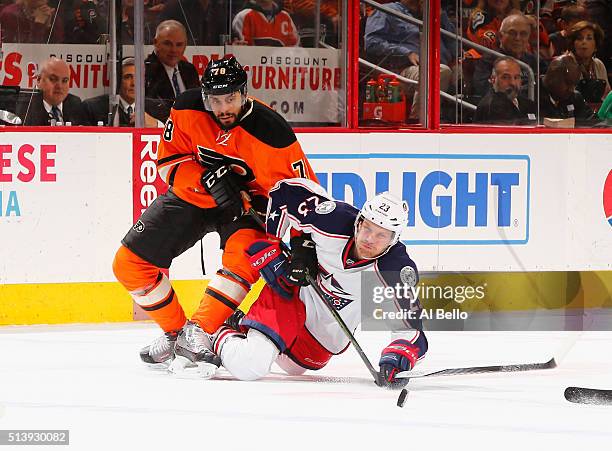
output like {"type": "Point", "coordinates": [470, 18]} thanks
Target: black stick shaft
{"type": "Point", "coordinates": [375, 374]}
{"type": "Point", "coordinates": [479, 370]}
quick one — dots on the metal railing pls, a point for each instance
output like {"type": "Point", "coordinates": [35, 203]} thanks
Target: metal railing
{"type": "Point", "coordinates": [467, 42]}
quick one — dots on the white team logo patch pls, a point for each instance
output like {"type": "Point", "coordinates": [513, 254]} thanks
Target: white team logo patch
{"type": "Point", "coordinates": [223, 138]}
{"type": "Point", "coordinates": [408, 276]}
{"type": "Point", "coordinates": [139, 226]}
{"type": "Point", "coordinates": [326, 207]}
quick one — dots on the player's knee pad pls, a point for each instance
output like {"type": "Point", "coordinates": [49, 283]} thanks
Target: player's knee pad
{"type": "Point", "coordinates": [230, 285]}
{"type": "Point", "coordinates": [132, 271]}
{"type": "Point", "coordinates": [222, 296]}
{"type": "Point", "coordinates": [154, 296]}
{"type": "Point", "coordinates": [149, 288]}
{"type": "Point", "coordinates": [234, 258]}
{"type": "Point", "coordinates": [247, 358]}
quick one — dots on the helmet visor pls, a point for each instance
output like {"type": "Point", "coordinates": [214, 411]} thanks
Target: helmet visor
{"type": "Point", "coordinates": [234, 101]}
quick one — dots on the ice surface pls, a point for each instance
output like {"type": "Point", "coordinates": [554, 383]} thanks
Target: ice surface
{"type": "Point", "coordinates": [89, 379]}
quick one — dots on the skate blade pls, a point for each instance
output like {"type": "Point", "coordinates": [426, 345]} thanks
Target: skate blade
{"type": "Point", "coordinates": [182, 367]}
{"type": "Point", "coordinates": [162, 366]}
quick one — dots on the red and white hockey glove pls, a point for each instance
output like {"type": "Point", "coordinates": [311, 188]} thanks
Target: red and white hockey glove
{"type": "Point", "coordinates": [399, 355]}
{"type": "Point", "coordinates": [271, 262]}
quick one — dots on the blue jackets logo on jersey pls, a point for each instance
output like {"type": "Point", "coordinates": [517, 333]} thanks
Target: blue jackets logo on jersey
{"type": "Point", "coordinates": [334, 293]}
{"type": "Point", "coordinates": [326, 207]}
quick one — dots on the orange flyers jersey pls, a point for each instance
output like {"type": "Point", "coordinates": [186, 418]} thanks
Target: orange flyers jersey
{"type": "Point", "coordinates": [253, 27]}
{"type": "Point", "coordinates": [483, 28]}
{"type": "Point", "coordinates": [262, 148]}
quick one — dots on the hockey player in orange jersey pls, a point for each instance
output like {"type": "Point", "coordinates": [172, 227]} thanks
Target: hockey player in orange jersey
{"type": "Point", "coordinates": [219, 147]}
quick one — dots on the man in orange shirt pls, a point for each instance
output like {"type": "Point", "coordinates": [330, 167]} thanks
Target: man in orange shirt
{"type": "Point", "coordinates": [219, 150]}
{"type": "Point", "coordinates": [263, 22]}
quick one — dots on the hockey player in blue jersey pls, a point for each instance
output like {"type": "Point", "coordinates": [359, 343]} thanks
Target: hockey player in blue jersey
{"type": "Point", "coordinates": [288, 324]}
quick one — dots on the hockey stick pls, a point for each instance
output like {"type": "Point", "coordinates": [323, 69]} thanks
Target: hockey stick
{"type": "Point", "coordinates": [583, 395]}
{"type": "Point", "coordinates": [477, 370]}
{"type": "Point", "coordinates": [375, 374]}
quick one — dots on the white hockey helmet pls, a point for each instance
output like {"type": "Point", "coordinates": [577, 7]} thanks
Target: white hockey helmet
{"type": "Point", "coordinates": [386, 211]}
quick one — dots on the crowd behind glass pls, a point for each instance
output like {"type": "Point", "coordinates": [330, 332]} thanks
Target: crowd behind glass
{"type": "Point", "coordinates": [534, 63]}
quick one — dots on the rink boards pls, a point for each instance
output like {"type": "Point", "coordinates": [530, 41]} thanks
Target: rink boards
{"type": "Point", "coordinates": [485, 203]}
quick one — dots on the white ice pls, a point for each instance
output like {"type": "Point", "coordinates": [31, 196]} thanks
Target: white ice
{"type": "Point", "coordinates": [89, 379]}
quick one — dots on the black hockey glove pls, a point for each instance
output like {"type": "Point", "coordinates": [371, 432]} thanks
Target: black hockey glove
{"type": "Point", "coordinates": [303, 260]}
{"type": "Point", "coordinates": [234, 320]}
{"type": "Point", "coordinates": [224, 186]}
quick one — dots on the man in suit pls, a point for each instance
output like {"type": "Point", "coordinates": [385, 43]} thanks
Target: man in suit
{"type": "Point", "coordinates": [558, 96]}
{"type": "Point", "coordinates": [166, 73]}
{"type": "Point", "coordinates": [53, 104]}
{"type": "Point", "coordinates": [514, 41]}
{"type": "Point", "coordinates": [504, 104]}
{"type": "Point", "coordinates": [96, 108]}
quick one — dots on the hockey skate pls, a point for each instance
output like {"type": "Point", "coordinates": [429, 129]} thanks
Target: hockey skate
{"type": "Point", "coordinates": [160, 353]}
{"type": "Point", "coordinates": [193, 348]}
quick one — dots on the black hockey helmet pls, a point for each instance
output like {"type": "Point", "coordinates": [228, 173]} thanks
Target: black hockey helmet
{"type": "Point", "coordinates": [224, 76]}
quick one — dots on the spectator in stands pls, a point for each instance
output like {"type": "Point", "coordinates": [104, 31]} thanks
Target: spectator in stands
{"type": "Point", "coordinates": [127, 21]}
{"type": "Point", "coordinates": [395, 44]}
{"type": "Point", "coordinates": [83, 23]}
{"type": "Point", "coordinates": [600, 12]}
{"type": "Point", "coordinates": [31, 21]}
{"type": "Point", "coordinates": [584, 39]}
{"type": "Point", "coordinates": [53, 103]}
{"type": "Point", "coordinates": [303, 15]}
{"type": "Point", "coordinates": [167, 74]}
{"type": "Point", "coordinates": [558, 96]}
{"type": "Point", "coordinates": [504, 104]}
{"type": "Point", "coordinates": [539, 40]}
{"type": "Point", "coordinates": [485, 21]}
{"type": "Point", "coordinates": [570, 15]}
{"type": "Point", "coordinates": [96, 109]}
{"type": "Point", "coordinates": [514, 41]}
{"type": "Point", "coordinates": [204, 20]}
{"type": "Point", "coordinates": [264, 22]}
